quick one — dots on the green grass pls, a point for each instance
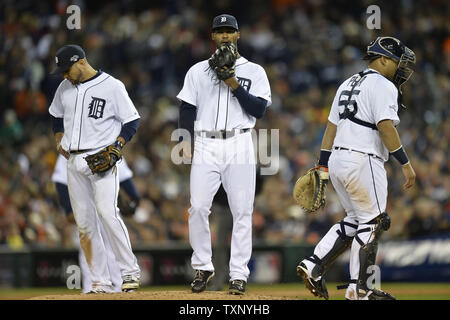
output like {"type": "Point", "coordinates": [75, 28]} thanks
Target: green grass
{"type": "Point", "coordinates": [402, 291]}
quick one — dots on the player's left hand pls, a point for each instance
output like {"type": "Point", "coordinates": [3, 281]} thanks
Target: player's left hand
{"type": "Point", "coordinates": [409, 174]}
{"type": "Point", "coordinates": [105, 159]}
{"type": "Point", "coordinates": [223, 61]}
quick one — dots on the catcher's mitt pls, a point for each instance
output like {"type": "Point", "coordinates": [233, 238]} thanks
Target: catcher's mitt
{"type": "Point", "coordinates": [310, 189]}
{"type": "Point", "coordinates": [223, 60]}
{"type": "Point", "coordinates": [105, 159]}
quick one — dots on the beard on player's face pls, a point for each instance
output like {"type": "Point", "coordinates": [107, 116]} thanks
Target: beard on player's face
{"type": "Point", "coordinates": [225, 35]}
{"type": "Point", "coordinates": [74, 75]}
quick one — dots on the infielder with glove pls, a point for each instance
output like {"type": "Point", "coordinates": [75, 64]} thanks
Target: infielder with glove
{"type": "Point", "coordinates": [360, 136]}
{"type": "Point", "coordinates": [93, 117]}
{"type": "Point", "coordinates": [59, 177]}
{"type": "Point", "coordinates": [220, 101]}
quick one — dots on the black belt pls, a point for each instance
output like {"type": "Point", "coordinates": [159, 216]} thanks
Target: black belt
{"type": "Point", "coordinates": [79, 151]}
{"type": "Point", "coordinates": [221, 134]}
{"type": "Point", "coordinates": [369, 154]}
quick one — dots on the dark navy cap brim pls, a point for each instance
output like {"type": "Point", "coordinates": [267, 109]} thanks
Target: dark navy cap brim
{"type": "Point", "coordinates": [56, 71]}
{"type": "Point", "coordinates": [60, 70]}
{"type": "Point", "coordinates": [225, 26]}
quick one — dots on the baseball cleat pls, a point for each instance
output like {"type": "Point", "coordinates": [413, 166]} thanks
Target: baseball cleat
{"type": "Point", "coordinates": [374, 294]}
{"type": "Point", "coordinates": [130, 283]}
{"type": "Point", "coordinates": [237, 287]}
{"type": "Point", "coordinates": [317, 287]}
{"type": "Point", "coordinates": [201, 280]}
{"type": "Point", "coordinates": [96, 291]}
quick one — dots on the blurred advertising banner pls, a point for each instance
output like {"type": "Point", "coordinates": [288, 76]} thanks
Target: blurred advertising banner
{"type": "Point", "coordinates": [418, 260]}
{"type": "Point", "coordinates": [421, 260]}
{"type": "Point", "coordinates": [409, 261]}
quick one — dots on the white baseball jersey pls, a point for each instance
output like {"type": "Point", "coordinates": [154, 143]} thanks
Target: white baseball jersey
{"type": "Point", "coordinates": [93, 111]}
{"type": "Point", "coordinates": [215, 161]}
{"type": "Point", "coordinates": [217, 108]}
{"type": "Point", "coordinates": [376, 100]}
{"type": "Point", "coordinates": [60, 171]}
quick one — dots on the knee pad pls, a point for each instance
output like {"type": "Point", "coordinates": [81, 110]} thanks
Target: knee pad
{"type": "Point", "coordinates": [342, 242]}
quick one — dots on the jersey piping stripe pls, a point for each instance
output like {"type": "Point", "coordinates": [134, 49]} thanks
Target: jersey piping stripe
{"type": "Point", "coordinates": [74, 113]}
{"type": "Point", "coordinates": [82, 108]}
{"type": "Point", "coordinates": [374, 187]}
{"type": "Point", "coordinates": [240, 64]}
{"type": "Point", "coordinates": [218, 108]}
{"type": "Point", "coordinates": [228, 98]}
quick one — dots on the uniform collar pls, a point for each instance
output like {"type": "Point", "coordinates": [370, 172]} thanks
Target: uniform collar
{"type": "Point", "coordinates": [94, 77]}
{"type": "Point", "coordinates": [367, 69]}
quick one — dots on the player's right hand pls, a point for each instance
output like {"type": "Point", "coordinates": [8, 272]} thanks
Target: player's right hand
{"type": "Point", "coordinates": [186, 151]}
{"type": "Point", "coordinates": [409, 174]}
{"type": "Point", "coordinates": [71, 218]}
{"type": "Point", "coordinates": [63, 152]}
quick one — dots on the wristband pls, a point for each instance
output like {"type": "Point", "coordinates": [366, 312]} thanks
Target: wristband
{"type": "Point", "coordinates": [324, 156]}
{"type": "Point", "coordinates": [400, 155]}
{"type": "Point", "coordinates": [118, 144]}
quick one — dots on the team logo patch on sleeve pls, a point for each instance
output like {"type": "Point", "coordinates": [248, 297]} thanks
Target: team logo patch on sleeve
{"type": "Point", "coordinates": [96, 107]}
{"type": "Point", "coordinates": [245, 83]}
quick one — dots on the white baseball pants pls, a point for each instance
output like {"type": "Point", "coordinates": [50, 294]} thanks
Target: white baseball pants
{"type": "Point", "coordinates": [230, 162]}
{"type": "Point", "coordinates": [113, 267]}
{"type": "Point", "coordinates": [361, 184]}
{"type": "Point", "coordinates": [91, 194]}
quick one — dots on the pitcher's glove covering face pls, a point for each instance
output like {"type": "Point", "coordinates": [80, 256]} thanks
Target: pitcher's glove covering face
{"type": "Point", "coordinates": [105, 159]}
{"type": "Point", "coordinates": [223, 61]}
{"type": "Point", "coordinates": [310, 189]}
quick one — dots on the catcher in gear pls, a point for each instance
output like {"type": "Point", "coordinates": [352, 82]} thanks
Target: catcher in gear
{"type": "Point", "coordinates": [365, 106]}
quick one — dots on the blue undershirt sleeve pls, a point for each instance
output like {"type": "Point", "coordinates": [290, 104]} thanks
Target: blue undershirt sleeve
{"type": "Point", "coordinates": [254, 106]}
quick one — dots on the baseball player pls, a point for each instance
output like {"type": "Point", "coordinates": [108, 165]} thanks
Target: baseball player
{"type": "Point", "coordinates": [359, 137]}
{"type": "Point", "coordinates": [91, 110]}
{"type": "Point", "coordinates": [59, 178]}
{"type": "Point", "coordinates": [220, 106]}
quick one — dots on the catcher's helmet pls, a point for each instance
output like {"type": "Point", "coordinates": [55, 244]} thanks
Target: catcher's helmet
{"type": "Point", "coordinates": [393, 48]}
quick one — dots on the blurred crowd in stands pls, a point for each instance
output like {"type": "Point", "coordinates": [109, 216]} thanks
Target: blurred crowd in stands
{"type": "Point", "coordinates": [307, 47]}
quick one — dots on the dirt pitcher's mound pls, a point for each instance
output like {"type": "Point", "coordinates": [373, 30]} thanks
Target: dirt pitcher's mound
{"type": "Point", "coordinates": [162, 295]}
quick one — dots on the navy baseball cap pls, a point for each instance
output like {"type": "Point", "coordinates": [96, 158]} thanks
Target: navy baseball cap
{"type": "Point", "coordinates": [225, 20]}
{"type": "Point", "coordinates": [66, 56]}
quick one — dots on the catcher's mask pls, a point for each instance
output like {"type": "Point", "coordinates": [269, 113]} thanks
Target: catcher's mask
{"type": "Point", "coordinates": [393, 48]}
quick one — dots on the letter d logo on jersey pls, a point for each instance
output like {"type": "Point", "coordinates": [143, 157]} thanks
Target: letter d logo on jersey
{"type": "Point", "coordinates": [96, 108]}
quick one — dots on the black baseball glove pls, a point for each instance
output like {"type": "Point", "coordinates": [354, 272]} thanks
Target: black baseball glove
{"type": "Point", "coordinates": [127, 207]}
{"type": "Point", "coordinates": [223, 61]}
{"type": "Point", "coordinates": [105, 159]}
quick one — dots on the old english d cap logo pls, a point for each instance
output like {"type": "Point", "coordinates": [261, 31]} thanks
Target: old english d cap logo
{"type": "Point", "coordinates": [225, 20]}
{"type": "Point", "coordinates": [66, 56]}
